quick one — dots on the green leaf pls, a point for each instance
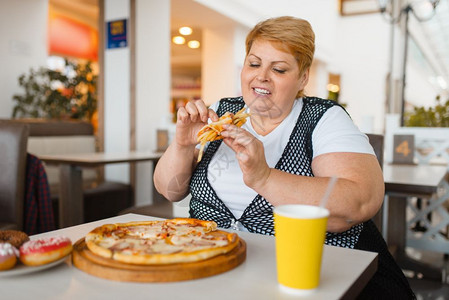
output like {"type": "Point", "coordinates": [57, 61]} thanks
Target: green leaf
{"type": "Point", "coordinates": [437, 116]}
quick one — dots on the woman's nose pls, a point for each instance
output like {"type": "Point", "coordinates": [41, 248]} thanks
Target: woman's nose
{"type": "Point", "coordinates": [262, 75]}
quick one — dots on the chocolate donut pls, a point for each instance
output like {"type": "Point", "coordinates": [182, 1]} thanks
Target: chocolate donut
{"type": "Point", "coordinates": [14, 237]}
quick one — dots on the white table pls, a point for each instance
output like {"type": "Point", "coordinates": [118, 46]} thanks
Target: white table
{"type": "Point", "coordinates": [70, 177]}
{"type": "Point", "coordinates": [344, 273]}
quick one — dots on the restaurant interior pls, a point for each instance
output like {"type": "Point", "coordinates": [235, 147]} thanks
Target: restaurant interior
{"type": "Point", "coordinates": [97, 84]}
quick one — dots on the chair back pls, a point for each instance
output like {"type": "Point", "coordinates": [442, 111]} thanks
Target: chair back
{"type": "Point", "coordinates": [377, 142]}
{"type": "Point", "coordinates": [13, 152]}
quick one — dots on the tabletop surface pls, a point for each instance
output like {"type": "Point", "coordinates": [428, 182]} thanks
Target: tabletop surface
{"type": "Point", "coordinates": [255, 278]}
{"type": "Point", "coordinates": [100, 157]}
{"type": "Point", "coordinates": [417, 175]}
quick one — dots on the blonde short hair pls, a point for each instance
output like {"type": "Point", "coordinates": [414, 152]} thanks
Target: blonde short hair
{"type": "Point", "coordinates": [288, 34]}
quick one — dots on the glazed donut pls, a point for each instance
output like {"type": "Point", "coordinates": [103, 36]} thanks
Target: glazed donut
{"type": "Point", "coordinates": [14, 237]}
{"type": "Point", "coordinates": [45, 250]}
{"type": "Point", "coordinates": [8, 256]}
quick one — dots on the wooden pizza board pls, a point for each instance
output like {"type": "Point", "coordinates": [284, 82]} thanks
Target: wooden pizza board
{"type": "Point", "coordinates": [107, 268]}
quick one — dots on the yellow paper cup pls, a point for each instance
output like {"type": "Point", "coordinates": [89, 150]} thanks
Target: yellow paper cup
{"type": "Point", "coordinates": [300, 231]}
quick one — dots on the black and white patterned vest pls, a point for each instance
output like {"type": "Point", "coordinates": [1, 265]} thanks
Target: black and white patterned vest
{"type": "Point", "coordinates": [296, 159]}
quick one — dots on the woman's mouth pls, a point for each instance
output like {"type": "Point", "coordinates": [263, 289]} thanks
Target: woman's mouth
{"type": "Point", "coordinates": [261, 91]}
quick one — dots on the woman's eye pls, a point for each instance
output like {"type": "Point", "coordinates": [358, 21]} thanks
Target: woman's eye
{"type": "Point", "coordinates": [254, 65]}
{"type": "Point", "coordinates": [280, 71]}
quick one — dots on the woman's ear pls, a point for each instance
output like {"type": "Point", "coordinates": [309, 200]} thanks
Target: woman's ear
{"type": "Point", "coordinates": [305, 78]}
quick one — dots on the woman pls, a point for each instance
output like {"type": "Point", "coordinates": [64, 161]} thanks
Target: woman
{"type": "Point", "coordinates": [287, 152]}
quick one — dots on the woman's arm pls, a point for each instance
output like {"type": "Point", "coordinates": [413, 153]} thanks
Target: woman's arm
{"type": "Point", "coordinates": [357, 195]}
{"type": "Point", "coordinates": [175, 167]}
{"type": "Point", "coordinates": [173, 171]}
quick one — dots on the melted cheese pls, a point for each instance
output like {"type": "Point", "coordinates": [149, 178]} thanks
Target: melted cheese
{"type": "Point", "coordinates": [107, 242]}
{"type": "Point", "coordinates": [161, 238]}
{"type": "Point", "coordinates": [183, 229]}
{"type": "Point", "coordinates": [146, 232]}
{"type": "Point", "coordinates": [184, 239]}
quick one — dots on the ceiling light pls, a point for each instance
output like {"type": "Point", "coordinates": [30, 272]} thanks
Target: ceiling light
{"type": "Point", "coordinates": [178, 40]}
{"type": "Point", "coordinates": [193, 44]}
{"type": "Point", "coordinates": [185, 30]}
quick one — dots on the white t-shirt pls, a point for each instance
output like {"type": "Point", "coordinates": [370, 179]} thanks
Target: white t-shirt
{"type": "Point", "coordinates": [335, 132]}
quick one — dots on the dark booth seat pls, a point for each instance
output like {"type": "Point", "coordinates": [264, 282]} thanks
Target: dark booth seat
{"type": "Point", "coordinates": [102, 199]}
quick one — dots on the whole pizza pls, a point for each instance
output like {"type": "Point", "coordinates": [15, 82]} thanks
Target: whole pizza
{"type": "Point", "coordinates": [178, 240]}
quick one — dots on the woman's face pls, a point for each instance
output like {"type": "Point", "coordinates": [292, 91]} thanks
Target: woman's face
{"type": "Point", "coordinates": [270, 80]}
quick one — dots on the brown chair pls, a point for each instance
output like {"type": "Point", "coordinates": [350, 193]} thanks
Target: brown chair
{"type": "Point", "coordinates": [13, 153]}
{"type": "Point", "coordinates": [377, 142]}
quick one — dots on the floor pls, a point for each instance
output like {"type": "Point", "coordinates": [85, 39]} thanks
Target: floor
{"type": "Point", "coordinates": [424, 288]}
{"type": "Point", "coordinates": [428, 289]}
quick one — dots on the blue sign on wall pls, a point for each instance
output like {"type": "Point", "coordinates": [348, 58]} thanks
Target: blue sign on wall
{"type": "Point", "coordinates": [117, 34]}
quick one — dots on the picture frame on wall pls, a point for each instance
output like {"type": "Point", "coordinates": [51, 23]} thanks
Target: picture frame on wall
{"type": "Point", "coordinates": [358, 7]}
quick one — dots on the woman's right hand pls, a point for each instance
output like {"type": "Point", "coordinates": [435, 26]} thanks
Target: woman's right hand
{"type": "Point", "coordinates": [190, 119]}
{"type": "Point", "coordinates": [174, 169]}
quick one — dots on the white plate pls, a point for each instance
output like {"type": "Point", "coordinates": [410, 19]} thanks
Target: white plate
{"type": "Point", "coordinates": [21, 269]}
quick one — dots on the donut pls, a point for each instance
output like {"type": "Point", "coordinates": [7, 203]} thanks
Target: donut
{"type": "Point", "coordinates": [8, 256]}
{"type": "Point", "coordinates": [14, 237]}
{"type": "Point", "coordinates": [44, 250]}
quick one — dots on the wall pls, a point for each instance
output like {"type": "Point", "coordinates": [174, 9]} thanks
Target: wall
{"type": "Point", "coordinates": [152, 84]}
{"type": "Point", "coordinates": [152, 88]}
{"type": "Point", "coordinates": [240, 32]}
{"type": "Point", "coordinates": [318, 79]}
{"type": "Point", "coordinates": [23, 28]}
{"type": "Point", "coordinates": [223, 56]}
{"type": "Point", "coordinates": [362, 62]}
{"type": "Point", "coordinates": [117, 94]}
{"type": "Point", "coordinates": [218, 64]}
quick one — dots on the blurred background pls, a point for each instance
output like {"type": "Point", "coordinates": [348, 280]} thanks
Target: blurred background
{"type": "Point", "coordinates": [125, 66]}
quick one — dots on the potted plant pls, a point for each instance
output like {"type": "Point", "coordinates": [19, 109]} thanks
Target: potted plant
{"type": "Point", "coordinates": [437, 116]}
{"type": "Point", "coordinates": [58, 94]}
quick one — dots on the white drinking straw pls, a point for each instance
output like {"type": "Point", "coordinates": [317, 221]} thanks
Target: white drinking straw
{"type": "Point", "coordinates": [329, 189]}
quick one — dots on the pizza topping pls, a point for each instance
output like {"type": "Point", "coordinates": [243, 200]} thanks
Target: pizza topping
{"type": "Point", "coordinates": [120, 246]}
{"type": "Point", "coordinates": [184, 239]}
{"type": "Point", "coordinates": [160, 242]}
{"type": "Point", "coordinates": [146, 232]}
{"type": "Point", "coordinates": [165, 248]}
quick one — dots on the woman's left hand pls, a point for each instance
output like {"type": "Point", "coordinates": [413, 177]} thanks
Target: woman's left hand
{"type": "Point", "coordinates": [249, 153]}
